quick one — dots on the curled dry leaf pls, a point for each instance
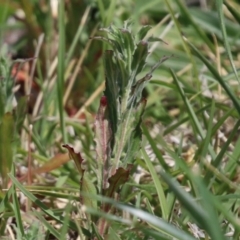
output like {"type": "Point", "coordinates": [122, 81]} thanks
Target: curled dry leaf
{"type": "Point", "coordinates": [86, 186]}
{"type": "Point", "coordinates": [115, 181]}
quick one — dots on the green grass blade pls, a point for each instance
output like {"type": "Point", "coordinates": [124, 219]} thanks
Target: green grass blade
{"type": "Point", "coordinates": [180, 122]}
{"type": "Point", "coordinates": [224, 148]}
{"type": "Point", "coordinates": [49, 226]}
{"type": "Point", "coordinates": [102, 10]}
{"type": "Point", "coordinates": [207, 139]}
{"type": "Point", "coordinates": [161, 225]}
{"type": "Point", "coordinates": [110, 13]}
{"type": "Point", "coordinates": [42, 206]}
{"type": "Point", "coordinates": [232, 164]}
{"type": "Point", "coordinates": [77, 36]}
{"type": "Point", "coordinates": [65, 227]}
{"type": "Point", "coordinates": [191, 21]}
{"type": "Point", "coordinates": [16, 209]}
{"type": "Point", "coordinates": [199, 214]}
{"type": "Point", "coordinates": [216, 162]}
{"type": "Point", "coordinates": [5, 202]}
{"type": "Point", "coordinates": [228, 214]}
{"type": "Point", "coordinates": [192, 114]}
{"type": "Point", "coordinates": [188, 202]}
{"type": "Point", "coordinates": [178, 27]}
{"type": "Point", "coordinates": [6, 144]}
{"type": "Point", "coordinates": [211, 224]}
{"type": "Point", "coordinates": [221, 121]}
{"type": "Point", "coordinates": [158, 185]}
{"type": "Point", "coordinates": [113, 234]}
{"type": "Point", "coordinates": [233, 11]}
{"type": "Point", "coordinates": [61, 68]}
{"type": "Point", "coordinates": [36, 140]}
{"type": "Point", "coordinates": [217, 76]}
{"type": "Point", "coordinates": [205, 219]}
{"type": "Point", "coordinates": [219, 4]}
{"type": "Point", "coordinates": [154, 147]}
{"type": "Point", "coordinates": [154, 234]}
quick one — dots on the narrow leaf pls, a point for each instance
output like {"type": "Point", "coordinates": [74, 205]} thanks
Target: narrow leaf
{"type": "Point", "coordinates": [219, 4]}
{"type": "Point", "coordinates": [139, 59]}
{"type": "Point", "coordinates": [134, 140]}
{"type": "Point", "coordinates": [6, 141]}
{"type": "Point", "coordinates": [233, 11]}
{"type": "Point", "coordinates": [16, 209]}
{"type": "Point", "coordinates": [186, 200]}
{"type": "Point", "coordinates": [87, 186]}
{"type": "Point", "coordinates": [143, 32]}
{"type": "Point", "coordinates": [48, 225]}
{"type": "Point", "coordinates": [41, 205]}
{"type": "Point", "coordinates": [158, 185]}
{"type": "Point", "coordinates": [217, 76]}
{"type": "Point", "coordinates": [112, 90]}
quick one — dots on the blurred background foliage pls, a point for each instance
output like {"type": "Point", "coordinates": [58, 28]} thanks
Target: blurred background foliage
{"type": "Point", "coordinates": [47, 53]}
{"type": "Point", "coordinates": [22, 23]}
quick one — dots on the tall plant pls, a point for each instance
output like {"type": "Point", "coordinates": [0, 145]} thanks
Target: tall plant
{"type": "Point", "coordinates": [118, 120]}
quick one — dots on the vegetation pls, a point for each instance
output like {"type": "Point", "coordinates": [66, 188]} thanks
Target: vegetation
{"type": "Point", "coordinates": [119, 120]}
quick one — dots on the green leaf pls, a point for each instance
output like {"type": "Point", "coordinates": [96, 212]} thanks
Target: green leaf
{"type": "Point", "coordinates": [158, 185]}
{"type": "Point", "coordinates": [128, 45]}
{"type": "Point", "coordinates": [143, 32]}
{"type": "Point", "coordinates": [219, 4]}
{"type": "Point", "coordinates": [41, 205]}
{"type": "Point", "coordinates": [48, 225]}
{"type": "Point", "coordinates": [6, 141]}
{"type": "Point", "coordinates": [186, 200]}
{"type": "Point", "coordinates": [16, 209]}
{"type": "Point", "coordinates": [112, 90]}
{"type": "Point", "coordinates": [155, 222]}
{"type": "Point", "coordinates": [132, 145]}
{"type": "Point", "coordinates": [154, 148]}
{"type": "Point", "coordinates": [137, 88]}
{"type": "Point", "coordinates": [192, 114]}
{"type": "Point", "coordinates": [233, 11]}
{"type": "Point", "coordinates": [87, 186]}
{"type": "Point", "coordinates": [61, 66]}
{"type": "Point", "coordinates": [197, 27]}
{"type": "Point", "coordinates": [139, 60]}
{"type": "Point", "coordinates": [20, 113]}
{"type": "Point", "coordinates": [217, 76]}
{"type": "Point", "coordinates": [216, 162]}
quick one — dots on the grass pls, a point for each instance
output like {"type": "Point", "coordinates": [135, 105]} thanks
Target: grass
{"type": "Point", "coordinates": [155, 151]}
